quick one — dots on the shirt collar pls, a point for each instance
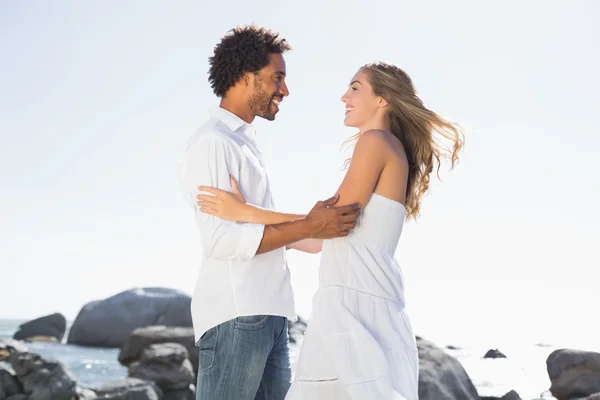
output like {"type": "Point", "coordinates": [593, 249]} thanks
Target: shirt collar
{"type": "Point", "coordinates": [231, 120]}
{"type": "Point", "coordinates": [235, 123]}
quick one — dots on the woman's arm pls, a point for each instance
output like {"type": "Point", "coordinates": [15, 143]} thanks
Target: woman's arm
{"type": "Point", "coordinates": [235, 210]}
{"type": "Point", "coordinates": [233, 207]}
{"type": "Point", "coordinates": [312, 246]}
{"type": "Point", "coordinates": [359, 182]}
{"type": "Point", "coordinates": [257, 215]}
{"type": "Point", "coordinates": [366, 165]}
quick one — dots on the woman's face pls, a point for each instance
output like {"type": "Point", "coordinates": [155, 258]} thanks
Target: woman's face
{"type": "Point", "coordinates": [361, 103]}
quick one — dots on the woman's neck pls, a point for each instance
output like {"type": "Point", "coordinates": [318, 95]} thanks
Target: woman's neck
{"type": "Point", "coordinates": [379, 125]}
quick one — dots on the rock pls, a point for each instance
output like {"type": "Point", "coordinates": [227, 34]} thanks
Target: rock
{"type": "Point", "coordinates": [9, 347]}
{"type": "Point", "coordinates": [186, 394]}
{"type": "Point", "coordinates": [43, 379]}
{"type": "Point", "coordinates": [441, 376]}
{"type": "Point", "coordinates": [129, 389]}
{"type": "Point", "coordinates": [573, 373]}
{"type": "Point", "coordinates": [512, 395]}
{"type": "Point", "coordinates": [86, 394]}
{"type": "Point", "coordinates": [53, 326]}
{"type": "Point", "coordinates": [296, 330]}
{"type": "Point", "coordinates": [167, 353]}
{"type": "Point", "coordinates": [142, 338]}
{"type": "Point", "coordinates": [109, 322]}
{"type": "Point", "coordinates": [19, 396]}
{"type": "Point", "coordinates": [494, 353]}
{"type": "Point", "coordinates": [9, 384]}
{"type": "Point", "coordinates": [595, 396]}
{"type": "Point", "coordinates": [167, 365]}
{"type": "Point", "coordinates": [47, 339]}
{"type": "Point", "coordinates": [453, 347]}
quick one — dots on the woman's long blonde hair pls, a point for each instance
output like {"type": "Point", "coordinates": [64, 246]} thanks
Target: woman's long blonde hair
{"type": "Point", "coordinates": [427, 137]}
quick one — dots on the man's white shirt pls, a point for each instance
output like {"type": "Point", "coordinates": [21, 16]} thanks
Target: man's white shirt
{"type": "Point", "coordinates": [232, 280]}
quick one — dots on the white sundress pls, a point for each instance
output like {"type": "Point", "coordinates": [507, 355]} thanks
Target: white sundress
{"type": "Point", "coordinates": [359, 343]}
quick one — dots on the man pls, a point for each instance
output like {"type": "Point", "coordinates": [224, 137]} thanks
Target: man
{"type": "Point", "coordinates": [243, 297]}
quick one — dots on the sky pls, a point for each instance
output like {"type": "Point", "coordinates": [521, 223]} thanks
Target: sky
{"type": "Point", "coordinates": [97, 99]}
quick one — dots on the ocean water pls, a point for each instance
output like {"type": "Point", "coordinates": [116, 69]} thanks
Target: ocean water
{"type": "Point", "coordinates": [90, 365]}
{"type": "Point", "coordinates": [524, 369]}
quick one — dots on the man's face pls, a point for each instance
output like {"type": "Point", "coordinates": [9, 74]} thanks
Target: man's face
{"type": "Point", "coordinates": [269, 88]}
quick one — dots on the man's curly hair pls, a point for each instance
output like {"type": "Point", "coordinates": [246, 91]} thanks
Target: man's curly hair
{"type": "Point", "coordinates": [243, 49]}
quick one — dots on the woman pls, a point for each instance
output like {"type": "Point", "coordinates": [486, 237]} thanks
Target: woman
{"type": "Point", "coordinates": [359, 343]}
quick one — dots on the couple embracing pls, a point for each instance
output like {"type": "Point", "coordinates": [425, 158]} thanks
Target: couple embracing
{"type": "Point", "coordinates": [359, 343]}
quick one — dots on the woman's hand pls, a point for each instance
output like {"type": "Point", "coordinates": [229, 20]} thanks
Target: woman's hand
{"type": "Point", "coordinates": [225, 205]}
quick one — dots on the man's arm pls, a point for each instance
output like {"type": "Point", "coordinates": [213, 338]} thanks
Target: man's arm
{"type": "Point", "coordinates": [279, 235]}
{"type": "Point", "coordinates": [322, 222]}
{"type": "Point", "coordinates": [209, 161]}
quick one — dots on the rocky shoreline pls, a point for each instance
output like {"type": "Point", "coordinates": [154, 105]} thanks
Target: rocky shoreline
{"type": "Point", "coordinates": [153, 330]}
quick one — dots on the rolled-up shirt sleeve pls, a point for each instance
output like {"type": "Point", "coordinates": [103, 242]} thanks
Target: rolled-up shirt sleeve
{"type": "Point", "coordinates": [209, 162]}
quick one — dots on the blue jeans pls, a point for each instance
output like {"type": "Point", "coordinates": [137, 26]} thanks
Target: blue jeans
{"type": "Point", "coordinates": [246, 358]}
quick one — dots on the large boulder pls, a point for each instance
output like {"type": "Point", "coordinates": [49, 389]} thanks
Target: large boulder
{"type": "Point", "coordinates": [441, 376]}
{"type": "Point", "coordinates": [9, 384]}
{"type": "Point", "coordinates": [142, 338]}
{"type": "Point", "coordinates": [129, 389]}
{"type": "Point", "coordinates": [43, 379]}
{"type": "Point", "coordinates": [50, 326]}
{"type": "Point", "coordinates": [166, 364]}
{"type": "Point", "coordinates": [109, 322]}
{"type": "Point", "coordinates": [573, 373]}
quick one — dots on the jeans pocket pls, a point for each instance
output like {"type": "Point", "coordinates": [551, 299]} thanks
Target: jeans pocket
{"type": "Point", "coordinates": [207, 349]}
{"type": "Point", "coordinates": [251, 322]}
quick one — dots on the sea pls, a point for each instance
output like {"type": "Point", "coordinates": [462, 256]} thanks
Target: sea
{"type": "Point", "coordinates": [524, 369]}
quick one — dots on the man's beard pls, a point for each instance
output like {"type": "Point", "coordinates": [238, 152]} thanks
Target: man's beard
{"type": "Point", "coordinates": [260, 104]}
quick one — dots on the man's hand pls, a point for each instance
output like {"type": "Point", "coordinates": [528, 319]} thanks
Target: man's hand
{"type": "Point", "coordinates": [323, 222]}
{"type": "Point", "coordinates": [329, 222]}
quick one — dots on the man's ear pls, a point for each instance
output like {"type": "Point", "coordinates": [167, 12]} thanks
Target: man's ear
{"type": "Point", "coordinates": [245, 79]}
